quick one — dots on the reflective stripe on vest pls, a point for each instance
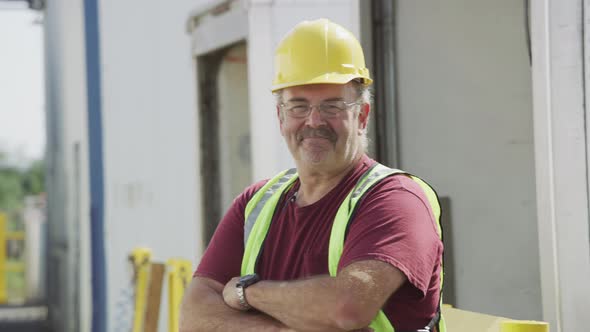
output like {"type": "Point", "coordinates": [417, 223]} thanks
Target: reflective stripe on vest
{"type": "Point", "coordinates": [261, 207]}
{"type": "Point", "coordinates": [258, 215]}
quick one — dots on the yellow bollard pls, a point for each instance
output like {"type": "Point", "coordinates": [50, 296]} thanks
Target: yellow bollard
{"type": "Point", "coordinates": [523, 326]}
{"type": "Point", "coordinates": [179, 275]}
{"type": "Point", "coordinates": [140, 257]}
{"type": "Point", "coordinates": [3, 293]}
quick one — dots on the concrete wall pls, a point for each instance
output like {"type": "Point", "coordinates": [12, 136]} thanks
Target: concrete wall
{"type": "Point", "coordinates": [465, 125]}
{"type": "Point", "coordinates": [150, 142]}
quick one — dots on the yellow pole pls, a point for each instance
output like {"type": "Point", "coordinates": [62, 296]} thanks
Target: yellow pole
{"type": "Point", "coordinates": [179, 275]}
{"type": "Point", "coordinates": [140, 257]}
{"type": "Point", "coordinates": [14, 268]}
{"type": "Point", "coordinates": [524, 326]}
{"type": "Point", "coordinates": [3, 294]}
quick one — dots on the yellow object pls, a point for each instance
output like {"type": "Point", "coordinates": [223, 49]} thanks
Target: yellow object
{"type": "Point", "coordinates": [179, 275]}
{"type": "Point", "coordinates": [524, 326]}
{"type": "Point", "coordinates": [319, 51]}
{"type": "Point", "coordinates": [3, 293]}
{"type": "Point", "coordinates": [467, 321]}
{"type": "Point", "coordinates": [14, 266]}
{"type": "Point", "coordinates": [18, 235]}
{"type": "Point", "coordinates": [140, 257]}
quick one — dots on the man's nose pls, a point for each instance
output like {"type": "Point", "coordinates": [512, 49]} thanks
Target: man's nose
{"type": "Point", "coordinates": [315, 119]}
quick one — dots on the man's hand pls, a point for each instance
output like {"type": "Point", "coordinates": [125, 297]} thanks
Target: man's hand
{"type": "Point", "coordinates": [230, 296]}
{"type": "Point", "coordinates": [204, 309]}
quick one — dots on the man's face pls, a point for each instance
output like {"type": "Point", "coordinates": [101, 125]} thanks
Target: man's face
{"type": "Point", "coordinates": [321, 139]}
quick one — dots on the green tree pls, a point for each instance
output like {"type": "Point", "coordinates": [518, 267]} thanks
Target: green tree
{"type": "Point", "coordinates": [11, 189]}
{"type": "Point", "coordinates": [17, 183]}
{"type": "Point", "coordinates": [33, 179]}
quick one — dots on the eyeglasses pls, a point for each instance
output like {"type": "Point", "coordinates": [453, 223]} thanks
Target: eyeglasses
{"type": "Point", "coordinates": [327, 109]}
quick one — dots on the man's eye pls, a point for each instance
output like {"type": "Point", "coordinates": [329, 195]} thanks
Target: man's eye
{"type": "Point", "coordinates": [299, 108]}
{"type": "Point", "coordinates": [331, 108]}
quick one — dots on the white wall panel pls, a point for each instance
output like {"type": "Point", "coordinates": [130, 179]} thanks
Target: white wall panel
{"type": "Point", "coordinates": [150, 141]}
{"type": "Point", "coordinates": [558, 31]}
{"type": "Point", "coordinates": [465, 124]}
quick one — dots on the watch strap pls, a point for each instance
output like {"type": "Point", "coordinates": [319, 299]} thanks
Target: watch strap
{"type": "Point", "coordinates": [242, 298]}
{"type": "Point", "coordinates": [243, 283]}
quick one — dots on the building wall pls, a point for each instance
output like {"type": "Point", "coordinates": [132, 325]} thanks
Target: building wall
{"type": "Point", "coordinates": [150, 141]}
{"type": "Point", "coordinates": [465, 125]}
{"type": "Point", "coordinates": [68, 255]}
{"type": "Point", "coordinates": [150, 150]}
{"type": "Point", "coordinates": [560, 90]}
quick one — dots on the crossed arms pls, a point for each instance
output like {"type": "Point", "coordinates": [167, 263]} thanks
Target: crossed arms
{"type": "Point", "coordinates": [347, 302]}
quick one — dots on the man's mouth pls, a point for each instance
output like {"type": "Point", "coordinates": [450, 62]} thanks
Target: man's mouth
{"type": "Point", "coordinates": [321, 132]}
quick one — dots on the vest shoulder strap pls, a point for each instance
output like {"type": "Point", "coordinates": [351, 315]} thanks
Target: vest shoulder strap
{"type": "Point", "coordinates": [261, 207]}
{"type": "Point", "coordinates": [371, 177]}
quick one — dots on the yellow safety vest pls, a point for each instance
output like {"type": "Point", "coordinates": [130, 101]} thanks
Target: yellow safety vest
{"type": "Point", "coordinates": [260, 210]}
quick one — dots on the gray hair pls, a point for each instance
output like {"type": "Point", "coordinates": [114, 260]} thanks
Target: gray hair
{"type": "Point", "coordinates": [366, 97]}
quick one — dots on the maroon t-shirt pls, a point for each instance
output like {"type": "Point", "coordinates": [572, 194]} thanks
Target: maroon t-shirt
{"type": "Point", "coordinates": [392, 224]}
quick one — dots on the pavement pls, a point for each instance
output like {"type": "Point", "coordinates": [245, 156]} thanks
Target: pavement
{"type": "Point", "coordinates": [15, 318]}
{"type": "Point", "coordinates": [24, 327]}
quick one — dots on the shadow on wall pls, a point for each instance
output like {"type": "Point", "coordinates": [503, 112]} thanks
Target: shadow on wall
{"type": "Point", "coordinates": [449, 295]}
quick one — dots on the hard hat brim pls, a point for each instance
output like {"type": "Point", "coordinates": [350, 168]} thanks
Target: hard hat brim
{"type": "Point", "coordinates": [336, 78]}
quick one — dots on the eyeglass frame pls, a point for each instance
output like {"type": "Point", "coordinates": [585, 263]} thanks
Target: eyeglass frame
{"type": "Point", "coordinates": [323, 114]}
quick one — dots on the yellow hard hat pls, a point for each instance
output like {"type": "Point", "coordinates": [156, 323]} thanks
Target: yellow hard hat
{"type": "Point", "coordinates": [319, 51]}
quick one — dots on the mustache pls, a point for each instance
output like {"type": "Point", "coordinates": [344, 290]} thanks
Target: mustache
{"type": "Point", "coordinates": [320, 132]}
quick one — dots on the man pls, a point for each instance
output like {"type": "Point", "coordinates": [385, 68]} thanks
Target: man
{"type": "Point", "coordinates": [339, 244]}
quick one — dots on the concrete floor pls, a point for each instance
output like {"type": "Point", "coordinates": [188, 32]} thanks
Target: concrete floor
{"type": "Point", "coordinates": [38, 326]}
{"type": "Point", "coordinates": [26, 318]}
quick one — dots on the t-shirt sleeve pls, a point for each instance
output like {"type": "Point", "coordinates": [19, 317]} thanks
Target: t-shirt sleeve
{"type": "Point", "coordinates": [394, 224]}
{"type": "Point", "coordinates": [223, 258]}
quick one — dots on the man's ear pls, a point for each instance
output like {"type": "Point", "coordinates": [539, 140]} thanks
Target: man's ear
{"type": "Point", "coordinates": [364, 116]}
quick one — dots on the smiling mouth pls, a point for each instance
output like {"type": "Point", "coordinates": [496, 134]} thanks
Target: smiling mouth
{"type": "Point", "coordinates": [315, 137]}
{"type": "Point", "coordinates": [316, 140]}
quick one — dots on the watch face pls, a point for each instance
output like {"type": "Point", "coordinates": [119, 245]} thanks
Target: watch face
{"type": "Point", "coordinates": [248, 280]}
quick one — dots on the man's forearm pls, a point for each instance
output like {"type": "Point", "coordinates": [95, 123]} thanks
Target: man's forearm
{"type": "Point", "coordinates": [347, 302]}
{"type": "Point", "coordinates": [203, 309]}
{"type": "Point", "coordinates": [308, 305]}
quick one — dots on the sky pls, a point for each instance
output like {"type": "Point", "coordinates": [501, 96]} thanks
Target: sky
{"type": "Point", "coordinates": [22, 118]}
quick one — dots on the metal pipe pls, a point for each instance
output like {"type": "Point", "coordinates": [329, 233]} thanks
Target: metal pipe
{"type": "Point", "coordinates": [385, 88]}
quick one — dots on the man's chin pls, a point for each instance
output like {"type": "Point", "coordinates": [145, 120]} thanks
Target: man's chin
{"type": "Point", "coordinates": [315, 158]}
{"type": "Point", "coordinates": [316, 145]}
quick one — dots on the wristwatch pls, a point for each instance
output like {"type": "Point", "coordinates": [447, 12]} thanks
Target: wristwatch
{"type": "Point", "coordinates": [243, 283]}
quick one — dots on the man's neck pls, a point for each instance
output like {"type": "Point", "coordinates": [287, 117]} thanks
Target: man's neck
{"type": "Point", "coordinates": [317, 182]}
